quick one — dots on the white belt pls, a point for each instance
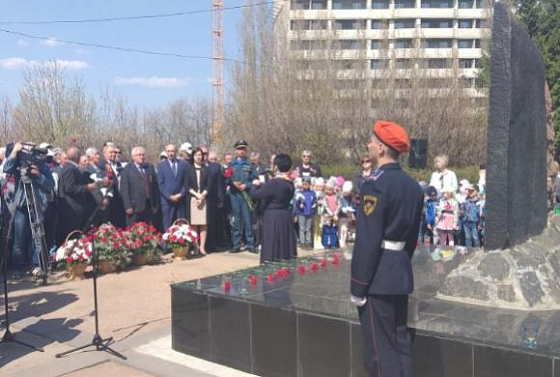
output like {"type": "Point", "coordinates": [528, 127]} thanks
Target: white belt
{"type": "Point", "coordinates": [392, 245]}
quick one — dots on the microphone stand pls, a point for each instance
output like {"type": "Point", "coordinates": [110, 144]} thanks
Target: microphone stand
{"type": "Point", "coordinates": [8, 336]}
{"type": "Point", "coordinates": [98, 342]}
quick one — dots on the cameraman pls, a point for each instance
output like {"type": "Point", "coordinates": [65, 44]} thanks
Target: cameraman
{"type": "Point", "coordinates": [42, 182]}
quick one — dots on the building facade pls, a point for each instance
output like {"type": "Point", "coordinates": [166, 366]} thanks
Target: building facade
{"type": "Point", "coordinates": [432, 39]}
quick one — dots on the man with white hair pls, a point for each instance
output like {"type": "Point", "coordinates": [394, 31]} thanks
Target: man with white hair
{"type": "Point", "coordinates": [306, 168]}
{"type": "Point", "coordinates": [139, 189]}
{"type": "Point", "coordinates": [98, 175]}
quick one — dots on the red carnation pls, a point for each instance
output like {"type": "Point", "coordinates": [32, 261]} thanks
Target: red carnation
{"type": "Point", "coordinates": [181, 241]}
{"type": "Point", "coordinates": [227, 286]}
{"type": "Point", "coordinates": [69, 260]}
{"type": "Point", "coordinates": [81, 258]}
{"type": "Point", "coordinates": [104, 239]}
{"type": "Point", "coordinates": [323, 264]}
{"type": "Point", "coordinates": [314, 267]}
{"type": "Point", "coordinates": [335, 261]}
{"type": "Point", "coordinates": [270, 279]}
{"type": "Point", "coordinates": [301, 270]}
{"type": "Point", "coordinates": [116, 245]}
{"type": "Point", "coordinates": [228, 173]}
{"type": "Point", "coordinates": [138, 243]}
{"type": "Point", "coordinates": [173, 238]}
{"type": "Point", "coordinates": [253, 280]}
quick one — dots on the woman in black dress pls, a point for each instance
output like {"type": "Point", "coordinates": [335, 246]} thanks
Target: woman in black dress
{"type": "Point", "coordinates": [278, 238]}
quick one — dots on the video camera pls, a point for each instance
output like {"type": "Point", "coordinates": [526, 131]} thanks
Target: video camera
{"type": "Point", "coordinates": [31, 154]}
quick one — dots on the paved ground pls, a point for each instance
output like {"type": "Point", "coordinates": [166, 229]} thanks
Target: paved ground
{"type": "Point", "coordinates": [134, 308]}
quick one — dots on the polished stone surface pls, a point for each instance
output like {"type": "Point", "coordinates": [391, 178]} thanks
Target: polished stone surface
{"type": "Point", "coordinates": [325, 292]}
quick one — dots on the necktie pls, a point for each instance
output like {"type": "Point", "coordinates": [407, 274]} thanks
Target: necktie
{"type": "Point", "coordinates": [174, 165]}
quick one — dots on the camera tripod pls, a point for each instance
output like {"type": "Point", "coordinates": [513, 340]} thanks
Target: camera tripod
{"type": "Point", "coordinates": [36, 225]}
{"type": "Point", "coordinates": [8, 336]}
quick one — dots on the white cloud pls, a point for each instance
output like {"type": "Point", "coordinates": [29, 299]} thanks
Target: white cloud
{"type": "Point", "coordinates": [19, 63]}
{"type": "Point", "coordinates": [153, 82]}
{"type": "Point", "coordinates": [51, 42]}
{"type": "Point", "coordinates": [22, 43]}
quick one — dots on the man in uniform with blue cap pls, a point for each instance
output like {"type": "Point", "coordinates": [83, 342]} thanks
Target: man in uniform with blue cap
{"type": "Point", "coordinates": [242, 176]}
{"type": "Point", "coordinates": [387, 227]}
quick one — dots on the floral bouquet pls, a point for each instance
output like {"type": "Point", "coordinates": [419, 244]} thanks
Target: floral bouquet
{"type": "Point", "coordinates": [74, 255]}
{"type": "Point", "coordinates": [181, 237]}
{"type": "Point", "coordinates": [145, 240]}
{"type": "Point", "coordinates": [113, 245]}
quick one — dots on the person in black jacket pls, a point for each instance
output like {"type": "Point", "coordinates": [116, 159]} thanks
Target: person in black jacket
{"type": "Point", "coordinates": [76, 201]}
{"type": "Point", "coordinates": [386, 234]}
{"type": "Point", "coordinates": [215, 201]}
{"type": "Point", "coordinates": [197, 182]}
{"type": "Point", "coordinates": [139, 189]}
{"type": "Point", "coordinates": [278, 233]}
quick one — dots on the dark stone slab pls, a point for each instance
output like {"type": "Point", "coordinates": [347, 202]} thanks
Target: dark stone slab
{"type": "Point", "coordinates": [462, 286]}
{"type": "Point", "coordinates": [494, 266]}
{"type": "Point", "coordinates": [230, 335]}
{"type": "Point", "coordinates": [189, 323]}
{"type": "Point", "coordinates": [516, 207]}
{"type": "Point", "coordinates": [531, 287]}
{"type": "Point", "coordinates": [436, 357]}
{"type": "Point", "coordinates": [321, 341]}
{"type": "Point", "coordinates": [274, 341]}
{"type": "Point", "coordinates": [494, 362]}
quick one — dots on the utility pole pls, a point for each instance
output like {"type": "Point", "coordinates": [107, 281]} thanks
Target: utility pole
{"type": "Point", "coordinates": [218, 97]}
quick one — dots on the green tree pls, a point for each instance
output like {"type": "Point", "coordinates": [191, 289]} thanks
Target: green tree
{"type": "Point", "coordinates": [540, 17]}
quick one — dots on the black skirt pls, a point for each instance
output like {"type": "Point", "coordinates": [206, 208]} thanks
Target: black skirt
{"type": "Point", "coordinates": [278, 235]}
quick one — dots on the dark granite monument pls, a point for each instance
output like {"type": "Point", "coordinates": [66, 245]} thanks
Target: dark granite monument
{"type": "Point", "coordinates": [303, 324]}
{"type": "Point", "coordinates": [516, 206]}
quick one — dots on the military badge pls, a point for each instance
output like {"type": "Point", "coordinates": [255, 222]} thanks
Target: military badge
{"type": "Point", "coordinates": [370, 202]}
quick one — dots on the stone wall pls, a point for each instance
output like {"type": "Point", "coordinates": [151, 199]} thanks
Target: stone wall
{"type": "Point", "coordinates": [516, 204]}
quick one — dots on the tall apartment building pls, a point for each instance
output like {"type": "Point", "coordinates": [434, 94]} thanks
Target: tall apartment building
{"type": "Point", "coordinates": [433, 38]}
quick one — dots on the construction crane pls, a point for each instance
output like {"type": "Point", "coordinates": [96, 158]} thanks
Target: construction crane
{"type": "Point", "coordinates": [218, 96]}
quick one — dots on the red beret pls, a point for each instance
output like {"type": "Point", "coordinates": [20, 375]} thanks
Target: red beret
{"type": "Point", "coordinates": [392, 134]}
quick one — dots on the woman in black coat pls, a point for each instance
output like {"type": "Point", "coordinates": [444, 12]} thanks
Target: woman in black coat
{"type": "Point", "coordinates": [278, 238]}
{"type": "Point", "coordinates": [197, 183]}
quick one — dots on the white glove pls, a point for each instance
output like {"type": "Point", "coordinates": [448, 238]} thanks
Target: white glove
{"type": "Point", "coordinates": [358, 301]}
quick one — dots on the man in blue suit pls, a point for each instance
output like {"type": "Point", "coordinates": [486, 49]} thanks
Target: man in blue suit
{"type": "Point", "coordinates": [171, 182]}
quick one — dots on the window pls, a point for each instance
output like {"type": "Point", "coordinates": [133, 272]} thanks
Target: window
{"type": "Point", "coordinates": [302, 64]}
{"type": "Point", "coordinates": [318, 4]}
{"type": "Point", "coordinates": [347, 64]}
{"type": "Point", "coordinates": [399, 4]}
{"type": "Point", "coordinates": [349, 4]}
{"type": "Point", "coordinates": [465, 63]}
{"type": "Point", "coordinates": [437, 3]}
{"type": "Point", "coordinates": [378, 64]}
{"type": "Point", "coordinates": [404, 43]}
{"type": "Point", "coordinates": [466, 24]}
{"type": "Point", "coordinates": [477, 43]}
{"type": "Point", "coordinates": [380, 4]}
{"type": "Point", "coordinates": [467, 82]}
{"type": "Point", "coordinates": [438, 43]}
{"type": "Point", "coordinates": [465, 43]}
{"type": "Point", "coordinates": [405, 24]}
{"type": "Point", "coordinates": [379, 24]}
{"type": "Point", "coordinates": [300, 4]}
{"type": "Point", "coordinates": [308, 44]}
{"type": "Point", "coordinates": [466, 4]}
{"type": "Point", "coordinates": [403, 63]}
{"type": "Point", "coordinates": [348, 44]}
{"type": "Point", "coordinates": [375, 45]}
{"type": "Point", "coordinates": [437, 24]}
{"type": "Point", "coordinates": [477, 63]}
{"type": "Point", "coordinates": [349, 24]}
{"type": "Point", "coordinates": [438, 63]}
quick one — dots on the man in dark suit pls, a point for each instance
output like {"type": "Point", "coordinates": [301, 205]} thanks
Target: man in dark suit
{"type": "Point", "coordinates": [139, 189]}
{"type": "Point", "coordinates": [114, 169]}
{"type": "Point", "coordinates": [76, 200]}
{"type": "Point", "coordinates": [215, 201]}
{"type": "Point", "coordinates": [387, 229]}
{"type": "Point", "coordinates": [171, 178]}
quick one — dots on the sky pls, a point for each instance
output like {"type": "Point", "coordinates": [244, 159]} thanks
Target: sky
{"type": "Point", "coordinates": [144, 80]}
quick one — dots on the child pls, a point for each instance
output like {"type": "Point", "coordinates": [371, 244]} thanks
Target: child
{"type": "Point", "coordinates": [306, 204]}
{"type": "Point", "coordinates": [329, 218]}
{"type": "Point", "coordinates": [428, 225]}
{"type": "Point", "coordinates": [471, 217]}
{"type": "Point", "coordinates": [346, 212]}
{"type": "Point", "coordinates": [447, 217]}
{"type": "Point", "coordinates": [317, 226]}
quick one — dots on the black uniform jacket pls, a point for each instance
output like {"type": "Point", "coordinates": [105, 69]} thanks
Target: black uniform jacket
{"type": "Point", "coordinates": [391, 207]}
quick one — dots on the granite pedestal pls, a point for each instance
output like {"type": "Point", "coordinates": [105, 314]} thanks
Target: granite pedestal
{"type": "Point", "coordinates": [304, 325]}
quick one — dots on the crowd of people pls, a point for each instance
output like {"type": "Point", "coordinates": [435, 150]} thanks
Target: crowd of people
{"type": "Point", "coordinates": [229, 202]}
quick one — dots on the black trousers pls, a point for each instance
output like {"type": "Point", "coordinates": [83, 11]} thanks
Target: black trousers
{"type": "Point", "coordinates": [387, 341]}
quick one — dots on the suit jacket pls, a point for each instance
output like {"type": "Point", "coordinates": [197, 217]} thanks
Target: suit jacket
{"type": "Point", "coordinates": [75, 197]}
{"type": "Point", "coordinates": [132, 188]}
{"type": "Point", "coordinates": [217, 189]}
{"type": "Point", "coordinates": [390, 210]}
{"type": "Point", "coordinates": [170, 184]}
{"type": "Point", "coordinates": [191, 181]}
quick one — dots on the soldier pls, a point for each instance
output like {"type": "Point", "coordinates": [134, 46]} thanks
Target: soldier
{"type": "Point", "coordinates": [386, 235]}
{"type": "Point", "coordinates": [242, 176]}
